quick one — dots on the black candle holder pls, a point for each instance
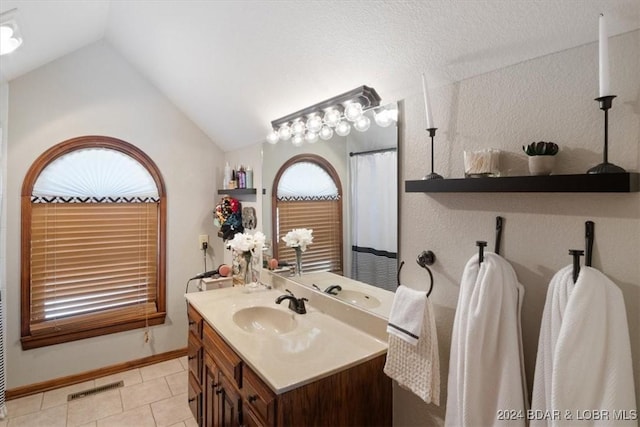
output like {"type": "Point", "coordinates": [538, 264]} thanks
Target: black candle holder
{"type": "Point", "coordinates": [605, 166]}
{"type": "Point", "coordinates": [432, 175]}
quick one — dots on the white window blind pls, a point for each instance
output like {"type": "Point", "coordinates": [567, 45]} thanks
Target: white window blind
{"type": "Point", "coordinates": [94, 242]}
{"type": "Point", "coordinates": [308, 197]}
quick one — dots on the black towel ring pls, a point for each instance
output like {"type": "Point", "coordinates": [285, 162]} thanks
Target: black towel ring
{"type": "Point", "coordinates": [425, 259]}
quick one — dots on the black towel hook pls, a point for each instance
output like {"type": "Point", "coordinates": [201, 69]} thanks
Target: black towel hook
{"type": "Point", "coordinates": [499, 221]}
{"type": "Point", "coordinates": [481, 245]}
{"type": "Point", "coordinates": [589, 236]}
{"type": "Point", "coordinates": [576, 253]}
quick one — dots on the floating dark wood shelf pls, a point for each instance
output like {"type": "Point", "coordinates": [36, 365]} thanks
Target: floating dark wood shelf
{"type": "Point", "coordinates": [628, 182]}
{"type": "Point", "coordinates": [238, 191]}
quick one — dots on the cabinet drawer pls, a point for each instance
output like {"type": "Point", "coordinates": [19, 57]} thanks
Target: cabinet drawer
{"type": "Point", "coordinates": [259, 397]}
{"type": "Point", "coordinates": [195, 399]}
{"type": "Point", "coordinates": [195, 321]}
{"type": "Point", "coordinates": [194, 356]}
{"type": "Point", "coordinates": [226, 359]}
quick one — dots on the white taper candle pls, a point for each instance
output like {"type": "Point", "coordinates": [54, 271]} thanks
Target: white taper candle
{"type": "Point", "coordinates": [427, 106]}
{"type": "Point", "coordinates": [603, 51]}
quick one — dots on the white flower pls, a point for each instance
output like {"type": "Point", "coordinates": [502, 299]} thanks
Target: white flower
{"type": "Point", "coordinates": [299, 238]}
{"type": "Point", "coordinates": [243, 242]}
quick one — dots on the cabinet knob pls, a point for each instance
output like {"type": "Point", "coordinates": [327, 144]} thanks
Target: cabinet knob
{"type": "Point", "coordinates": [214, 385]}
{"type": "Point", "coordinates": [192, 399]}
{"type": "Point", "coordinates": [191, 357]}
{"type": "Point", "coordinates": [192, 322]}
{"type": "Point", "coordinates": [253, 398]}
{"type": "Point", "coordinates": [220, 390]}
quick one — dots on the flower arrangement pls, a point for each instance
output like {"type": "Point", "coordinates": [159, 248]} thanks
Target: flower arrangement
{"type": "Point", "coordinates": [299, 238]}
{"type": "Point", "coordinates": [245, 242]}
{"type": "Point", "coordinates": [541, 148]}
{"type": "Point", "coordinates": [245, 246]}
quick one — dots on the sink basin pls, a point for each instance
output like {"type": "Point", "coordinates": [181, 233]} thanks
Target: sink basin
{"type": "Point", "coordinates": [358, 298]}
{"type": "Point", "coordinates": [265, 320]}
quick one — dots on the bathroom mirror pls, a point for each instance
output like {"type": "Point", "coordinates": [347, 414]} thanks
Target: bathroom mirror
{"type": "Point", "coordinates": [364, 168]}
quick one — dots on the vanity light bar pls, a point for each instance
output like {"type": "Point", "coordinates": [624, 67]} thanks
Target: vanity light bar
{"type": "Point", "coordinates": [365, 95]}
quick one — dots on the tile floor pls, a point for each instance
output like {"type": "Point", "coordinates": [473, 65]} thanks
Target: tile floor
{"type": "Point", "coordinates": [154, 395]}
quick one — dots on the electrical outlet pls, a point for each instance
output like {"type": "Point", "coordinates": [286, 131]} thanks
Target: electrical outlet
{"type": "Point", "coordinates": [202, 240]}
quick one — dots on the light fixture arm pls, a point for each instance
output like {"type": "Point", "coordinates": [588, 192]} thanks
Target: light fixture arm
{"type": "Point", "coordinates": [366, 96]}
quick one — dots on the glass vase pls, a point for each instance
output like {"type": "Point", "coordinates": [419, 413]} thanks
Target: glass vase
{"type": "Point", "coordinates": [298, 271]}
{"type": "Point", "coordinates": [247, 273]}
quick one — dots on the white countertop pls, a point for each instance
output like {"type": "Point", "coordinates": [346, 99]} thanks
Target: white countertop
{"type": "Point", "coordinates": [319, 346]}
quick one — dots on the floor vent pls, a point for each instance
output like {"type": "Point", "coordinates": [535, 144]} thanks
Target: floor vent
{"type": "Point", "coordinates": [91, 392]}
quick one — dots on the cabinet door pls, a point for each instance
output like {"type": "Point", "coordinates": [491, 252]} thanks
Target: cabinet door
{"type": "Point", "coordinates": [230, 404]}
{"type": "Point", "coordinates": [211, 392]}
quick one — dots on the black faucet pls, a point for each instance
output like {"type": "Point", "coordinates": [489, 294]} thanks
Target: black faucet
{"type": "Point", "coordinates": [332, 288]}
{"type": "Point", "coordinates": [295, 304]}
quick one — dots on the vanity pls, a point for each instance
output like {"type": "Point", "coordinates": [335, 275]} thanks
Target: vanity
{"type": "Point", "coordinates": [257, 363]}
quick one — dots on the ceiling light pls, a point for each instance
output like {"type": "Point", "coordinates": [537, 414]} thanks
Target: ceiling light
{"type": "Point", "coordinates": [324, 118]}
{"type": "Point", "coordinates": [10, 38]}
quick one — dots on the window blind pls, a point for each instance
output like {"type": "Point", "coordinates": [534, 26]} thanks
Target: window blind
{"type": "Point", "coordinates": [324, 217]}
{"type": "Point", "coordinates": [93, 260]}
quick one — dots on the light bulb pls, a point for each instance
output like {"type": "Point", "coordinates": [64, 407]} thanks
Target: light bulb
{"type": "Point", "coordinates": [353, 111]}
{"type": "Point", "coordinates": [9, 41]}
{"type": "Point", "coordinates": [326, 133]}
{"type": "Point", "coordinates": [284, 132]}
{"type": "Point", "coordinates": [332, 117]}
{"type": "Point", "coordinates": [273, 137]}
{"type": "Point", "coordinates": [343, 128]}
{"type": "Point", "coordinates": [386, 115]}
{"type": "Point", "coordinates": [297, 127]}
{"type": "Point", "coordinates": [311, 137]}
{"type": "Point", "coordinates": [362, 124]}
{"type": "Point", "coordinates": [297, 140]}
{"type": "Point", "coordinates": [314, 124]}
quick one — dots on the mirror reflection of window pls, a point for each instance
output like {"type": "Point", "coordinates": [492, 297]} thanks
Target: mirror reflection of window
{"type": "Point", "coordinates": [308, 195]}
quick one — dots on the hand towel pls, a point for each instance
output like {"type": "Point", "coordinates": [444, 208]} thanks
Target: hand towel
{"type": "Point", "coordinates": [486, 367]}
{"type": "Point", "coordinates": [407, 314]}
{"type": "Point", "coordinates": [417, 367]}
{"type": "Point", "coordinates": [589, 350]}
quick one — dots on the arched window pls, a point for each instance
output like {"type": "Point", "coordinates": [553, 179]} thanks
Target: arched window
{"type": "Point", "coordinates": [307, 194]}
{"type": "Point", "coordinates": [93, 242]}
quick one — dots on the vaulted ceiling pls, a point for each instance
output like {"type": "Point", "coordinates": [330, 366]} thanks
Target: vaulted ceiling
{"type": "Point", "coordinates": [233, 66]}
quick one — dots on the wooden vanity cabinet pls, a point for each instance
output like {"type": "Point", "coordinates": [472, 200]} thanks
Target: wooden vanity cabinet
{"type": "Point", "coordinates": [195, 362]}
{"type": "Point", "coordinates": [233, 395]}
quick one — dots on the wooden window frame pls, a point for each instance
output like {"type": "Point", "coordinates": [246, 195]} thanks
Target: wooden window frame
{"type": "Point", "coordinates": [328, 167]}
{"type": "Point", "coordinates": [28, 339]}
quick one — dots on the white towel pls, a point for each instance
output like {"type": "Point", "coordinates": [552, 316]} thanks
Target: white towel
{"type": "Point", "coordinates": [407, 314]}
{"type": "Point", "coordinates": [417, 367]}
{"type": "Point", "coordinates": [584, 355]}
{"type": "Point", "coordinates": [486, 385]}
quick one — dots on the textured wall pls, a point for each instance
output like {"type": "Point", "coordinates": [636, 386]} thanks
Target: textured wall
{"type": "Point", "coordinates": [549, 98]}
{"type": "Point", "coordinates": [93, 91]}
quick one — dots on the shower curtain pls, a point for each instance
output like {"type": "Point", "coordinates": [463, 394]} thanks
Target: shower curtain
{"type": "Point", "coordinates": [374, 218]}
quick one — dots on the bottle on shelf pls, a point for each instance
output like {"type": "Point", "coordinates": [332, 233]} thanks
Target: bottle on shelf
{"type": "Point", "coordinates": [226, 181]}
{"type": "Point", "coordinates": [233, 183]}
{"type": "Point", "coordinates": [241, 177]}
{"type": "Point", "coordinates": [249, 177]}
